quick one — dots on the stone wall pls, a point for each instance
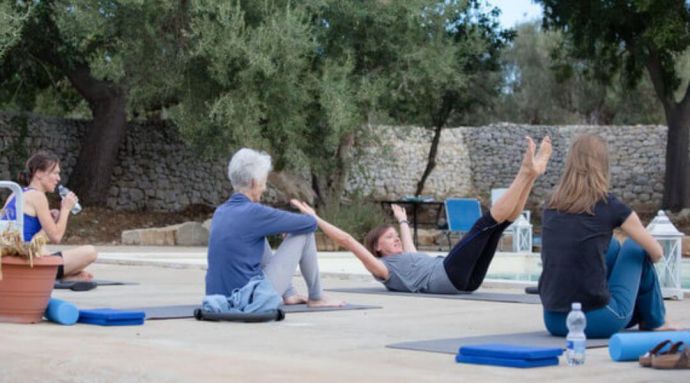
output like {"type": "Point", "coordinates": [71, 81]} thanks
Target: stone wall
{"type": "Point", "coordinates": [474, 160]}
{"type": "Point", "coordinates": [157, 171]}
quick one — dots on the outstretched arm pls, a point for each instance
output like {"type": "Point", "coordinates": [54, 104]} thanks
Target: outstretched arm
{"type": "Point", "coordinates": [405, 234]}
{"type": "Point", "coordinates": [370, 262]}
{"type": "Point", "coordinates": [633, 227]}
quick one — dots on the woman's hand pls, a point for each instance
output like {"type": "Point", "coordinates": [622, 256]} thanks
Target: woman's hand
{"type": "Point", "coordinates": [69, 201]}
{"type": "Point", "coordinates": [303, 207]}
{"type": "Point", "coordinates": [399, 213]}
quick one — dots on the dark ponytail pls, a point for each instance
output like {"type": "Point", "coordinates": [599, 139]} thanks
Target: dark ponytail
{"type": "Point", "coordinates": [41, 160]}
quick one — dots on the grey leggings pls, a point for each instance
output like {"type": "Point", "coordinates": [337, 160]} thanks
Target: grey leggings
{"type": "Point", "coordinates": [281, 265]}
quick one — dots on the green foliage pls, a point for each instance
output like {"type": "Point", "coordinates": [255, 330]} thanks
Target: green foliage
{"type": "Point", "coordinates": [624, 35]}
{"type": "Point", "coordinates": [303, 80]}
{"type": "Point", "coordinates": [135, 45]}
{"type": "Point", "coordinates": [357, 216]}
{"type": "Point", "coordinates": [11, 23]}
{"type": "Point", "coordinates": [546, 86]}
{"type": "Point", "coordinates": [631, 37]}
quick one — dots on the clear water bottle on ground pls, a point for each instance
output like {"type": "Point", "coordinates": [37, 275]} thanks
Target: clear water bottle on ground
{"type": "Point", "coordinates": [63, 193]}
{"type": "Point", "coordinates": [576, 339]}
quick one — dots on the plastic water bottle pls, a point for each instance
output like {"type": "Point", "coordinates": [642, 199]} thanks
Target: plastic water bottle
{"type": "Point", "coordinates": [576, 339]}
{"type": "Point", "coordinates": [63, 193]}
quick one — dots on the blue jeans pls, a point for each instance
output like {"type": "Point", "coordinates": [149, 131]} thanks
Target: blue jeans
{"type": "Point", "coordinates": [635, 296]}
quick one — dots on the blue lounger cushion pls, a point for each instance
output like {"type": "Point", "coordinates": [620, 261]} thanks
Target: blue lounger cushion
{"type": "Point", "coordinates": [111, 317]}
{"type": "Point", "coordinates": [507, 362]}
{"type": "Point", "coordinates": [510, 351]}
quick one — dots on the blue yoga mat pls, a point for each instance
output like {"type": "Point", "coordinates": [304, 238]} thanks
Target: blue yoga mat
{"type": "Point", "coordinates": [510, 351]}
{"type": "Point", "coordinates": [505, 362]}
{"type": "Point", "coordinates": [630, 346]}
{"type": "Point", "coordinates": [111, 317]}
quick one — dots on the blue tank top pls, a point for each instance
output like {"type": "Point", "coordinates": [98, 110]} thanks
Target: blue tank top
{"type": "Point", "coordinates": [31, 224]}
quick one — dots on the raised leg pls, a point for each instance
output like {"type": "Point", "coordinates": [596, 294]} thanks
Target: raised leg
{"type": "Point", "coordinates": [512, 202]}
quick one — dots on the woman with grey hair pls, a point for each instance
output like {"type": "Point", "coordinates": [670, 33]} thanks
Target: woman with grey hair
{"type": "Point", "coordinates": [238, 250]}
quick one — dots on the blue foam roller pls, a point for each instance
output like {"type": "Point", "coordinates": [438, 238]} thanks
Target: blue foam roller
{"type": "Point", "coordinates": [630, 346]}
{"type": "Point", "coordinates": [61, 312]}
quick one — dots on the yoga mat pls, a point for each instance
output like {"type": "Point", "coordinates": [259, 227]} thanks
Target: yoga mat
{"type": "Point", "coordinates": [77, 285]}
{"type": "Point", "coordinates": [475, 296]}
{"type": "Point", "coordinates": [452, 345]}
{"type": "Point", "coordinates": [630, 346]}
{"type": "Point", "coordinates": [187, 311]}
{"type": "Point", "coordinates": [111, 317]}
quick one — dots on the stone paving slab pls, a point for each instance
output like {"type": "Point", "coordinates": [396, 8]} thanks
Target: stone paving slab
{"type": "Point", "coordinates": [345, 346]}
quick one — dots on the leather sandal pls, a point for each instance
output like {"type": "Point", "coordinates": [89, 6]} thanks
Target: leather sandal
{"type": "Point", "coordinates": [646, 359]}
{"type": "Point", "coordinates": [677, 357]}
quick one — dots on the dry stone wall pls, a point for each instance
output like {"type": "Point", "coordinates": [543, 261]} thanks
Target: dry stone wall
{"type": "Point", "coordinates": [157, 171]}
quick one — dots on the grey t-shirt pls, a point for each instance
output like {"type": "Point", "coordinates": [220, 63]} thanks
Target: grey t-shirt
{"type": "Point", "coordinates": [417, 273]}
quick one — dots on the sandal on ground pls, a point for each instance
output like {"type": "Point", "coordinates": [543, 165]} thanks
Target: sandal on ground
{"type": "Point", "coordinates": [646, 359]}
{"type": "Point", "coordinates": [677, 357]}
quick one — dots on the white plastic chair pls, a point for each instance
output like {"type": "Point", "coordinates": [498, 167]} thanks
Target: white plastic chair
{"type": "Point", "coordinates": [18, 222]}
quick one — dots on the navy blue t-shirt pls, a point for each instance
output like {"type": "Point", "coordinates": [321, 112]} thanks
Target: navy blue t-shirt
{"type": "Point", "coordinates": [573, 255]}
{"type": "Point", "coordinates": [238, 235]}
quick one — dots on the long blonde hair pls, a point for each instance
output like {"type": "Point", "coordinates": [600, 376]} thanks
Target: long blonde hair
{"type": "Point", "coordinates": [585, 180]}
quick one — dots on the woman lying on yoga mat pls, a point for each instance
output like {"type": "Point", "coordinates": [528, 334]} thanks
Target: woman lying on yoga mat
{"type": "Point", "coordinates": [41, 175]}
{"type": "Point", "coordinates": [238, 251]}
{"type": "Point", "coordinates": [617, 289]}
{"type": "Point", "coordinates": [394, 260]}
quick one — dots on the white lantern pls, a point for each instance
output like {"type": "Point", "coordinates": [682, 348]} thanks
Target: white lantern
{"type": "Point", "coordinates": [668, 269]}
{"type": "Point", "coordinates": [522, 235]}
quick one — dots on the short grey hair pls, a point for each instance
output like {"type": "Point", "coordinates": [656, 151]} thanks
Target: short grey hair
{"type": "Point", "coordinates": [247, 165]}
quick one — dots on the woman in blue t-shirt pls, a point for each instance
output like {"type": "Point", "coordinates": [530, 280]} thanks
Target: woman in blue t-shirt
{"type": "Point", "coordinates": [394, 261]}
{"type": "Point", "coordinates": [41, 175]}
{"type": "Point", "coordinates": [617, 286]}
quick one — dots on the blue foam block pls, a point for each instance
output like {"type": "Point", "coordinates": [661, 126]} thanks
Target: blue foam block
{"type": "Point", "coordinates": [507, 362]}
{"type": "Point", "coordinates": [61, 312]}
{"type": "Point", "coordinates": [630, 346]}
{"type": "Point", "coordinates": [510, 351]}
{"type": "Point", "coordinates": [111, 317]}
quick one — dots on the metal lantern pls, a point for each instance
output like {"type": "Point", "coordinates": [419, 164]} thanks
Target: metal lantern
{"type": "Point", "coordinates": [668, 269]}
{"type": "Point", "coordinates": [522, 236]}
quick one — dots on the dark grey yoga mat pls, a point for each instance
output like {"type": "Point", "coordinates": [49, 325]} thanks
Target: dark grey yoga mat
{"type": "Point", "coordinates": [451, 345]}
{"type": "Point", "coordinates": [187, 311]}
{"type": "Point", "coordinates": [474, 296]}
{"type": "Point", "coordinates": [68, 284]}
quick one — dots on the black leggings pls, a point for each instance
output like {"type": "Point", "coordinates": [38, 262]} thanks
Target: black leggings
{"type": "Point", "coordinates": [468, 261]}
{"type": "Point", "coordinates": [61, 268]}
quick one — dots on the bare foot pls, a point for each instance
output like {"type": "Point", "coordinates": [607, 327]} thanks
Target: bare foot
{"type": "Point", "coordinates": [667, 327]}
{"type": "Point", "coordinates": [80, 276]}
{"type": "Point", "coordinates": [326, 302]}
{"type": "Point", "coordinates": [543, 155]}
{"type": "Point", "coordinates": [294, 299]}
{"type": "Point", "coordinates": [528, 165]}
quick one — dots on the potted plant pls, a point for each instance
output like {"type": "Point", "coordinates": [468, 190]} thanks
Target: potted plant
{"type": "Point", "coordinates": [26, 277]}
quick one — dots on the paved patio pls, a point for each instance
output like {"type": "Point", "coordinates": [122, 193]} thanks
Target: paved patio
{"type": "Point", "coordinates": [343, 346]}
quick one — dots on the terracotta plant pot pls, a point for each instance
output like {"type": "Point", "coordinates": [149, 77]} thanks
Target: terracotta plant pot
{"type": "Point", "coordinates": [25, 290]}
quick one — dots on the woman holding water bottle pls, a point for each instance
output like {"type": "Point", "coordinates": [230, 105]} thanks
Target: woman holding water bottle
{"type": "Point", "coordinates": [615, 285]}
{"type": "Point", "coordinates": [41, 175]}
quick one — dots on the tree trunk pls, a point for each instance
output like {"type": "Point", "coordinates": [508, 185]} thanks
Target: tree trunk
{"type": "Point", "coordinates": [91, 176]}
{"type": "Point", "coordinates": [431, 159]}
{"type": "Point", "coordinates": [329, 183]}
{"type": "Point", "coordinates": [676, 180]}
